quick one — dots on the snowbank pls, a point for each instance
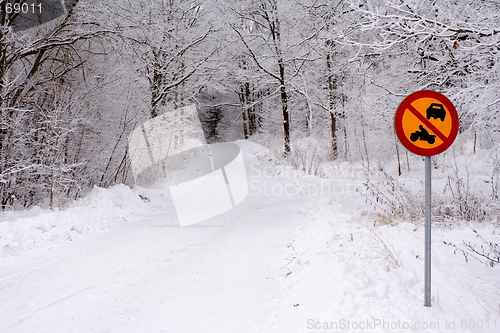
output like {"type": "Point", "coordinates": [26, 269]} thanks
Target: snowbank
{"type": "Point", "coordinates": [345, 267]}
{"type": "Point", "coordinates": [351, 268]}
{"type": "Point", "coordinates": [98, 210]}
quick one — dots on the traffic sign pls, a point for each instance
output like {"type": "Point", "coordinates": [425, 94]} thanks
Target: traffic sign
{"type": "Point", "coordinates": [426, 123]}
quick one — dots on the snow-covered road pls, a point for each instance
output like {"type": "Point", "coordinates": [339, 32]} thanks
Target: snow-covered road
{"type": "Point", "coordinates": [150, 275]}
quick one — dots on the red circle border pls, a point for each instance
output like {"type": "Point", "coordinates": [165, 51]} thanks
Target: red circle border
{"type": "Point", "coordinates": [398, 123]}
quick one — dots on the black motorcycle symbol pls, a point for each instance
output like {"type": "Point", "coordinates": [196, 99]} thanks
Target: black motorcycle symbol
{"type": "Point", "coordinates": [423, 135]}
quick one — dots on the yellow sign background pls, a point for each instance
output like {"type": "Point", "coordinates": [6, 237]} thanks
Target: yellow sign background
{"type": "Point", "coordinates": [411, 122]}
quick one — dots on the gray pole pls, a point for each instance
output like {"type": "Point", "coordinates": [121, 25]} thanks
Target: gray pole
{"type": "Point", "coordinates": [427, 293]}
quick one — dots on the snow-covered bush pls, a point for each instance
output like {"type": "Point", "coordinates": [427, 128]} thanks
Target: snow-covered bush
{"type": "Point", "coordinates": [308, 153]}
{"type": "Point", "coordinates": [458, 200]}
{"type": "Point", "coordinates": [395, 199]}
{"type": "Point", "coordinates": [486, 251]}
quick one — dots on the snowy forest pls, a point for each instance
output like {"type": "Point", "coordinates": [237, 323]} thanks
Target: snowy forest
{"type": "Point", "coordinates": [286, 201]}
{"type": "Point", "coordinates": [313, 80]}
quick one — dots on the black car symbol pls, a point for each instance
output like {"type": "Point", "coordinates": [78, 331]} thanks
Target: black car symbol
{"type": "Point", "coordinates": [423, 135]}
{"type": "Point", "coordinates": [436, 110]}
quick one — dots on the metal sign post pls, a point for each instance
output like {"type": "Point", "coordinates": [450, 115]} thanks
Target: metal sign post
{"type": "Point", "coordinates": [427, 284]}
{"type": "Point", "coordinates": [426, 123]}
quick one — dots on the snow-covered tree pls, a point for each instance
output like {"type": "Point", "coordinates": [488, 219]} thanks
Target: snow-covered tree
{"type": "Point", "coordinates": [260, 31]}
{"type": "Point", "coordinates": [170, 37]}
{"type": "Point", "coordinates": [450, 47]}
{"type": "Point", "coordinates": [42, 100]}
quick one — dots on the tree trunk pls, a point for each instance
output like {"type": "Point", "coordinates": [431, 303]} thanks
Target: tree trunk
{"type": "Point", "coordinates": [155, 84]}
{"type": "Point", "coordinates": [243, 102]}
{"type": "Point", "coordinates": [333, 127]}
{"type": "Point", "coordinates": [332, 95]}
{"type": "Point", "coordinates": [286, 116]}
{"type": "Point", "coordinates": [250, 109]}
{"type": "Point", "coordinates": [276, 35]}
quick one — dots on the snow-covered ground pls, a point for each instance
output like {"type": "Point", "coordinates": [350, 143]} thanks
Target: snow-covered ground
{"type": "Point", "coordinates": [300, 254]}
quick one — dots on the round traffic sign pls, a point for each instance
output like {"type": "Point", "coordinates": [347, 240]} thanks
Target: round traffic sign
{"type": "Point", "coordinates": [426, 123]}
